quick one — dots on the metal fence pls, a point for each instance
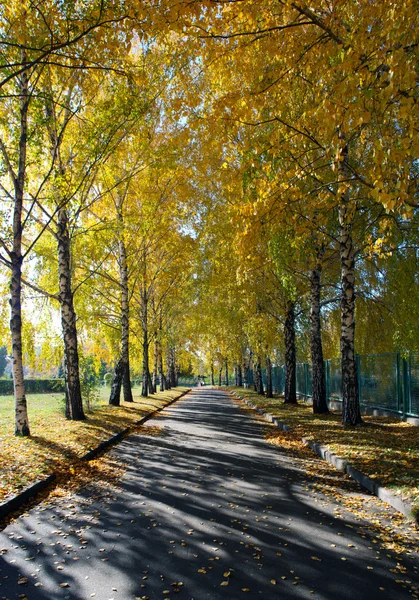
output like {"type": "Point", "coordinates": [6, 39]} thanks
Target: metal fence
{"type": "Point", "coordinates": [385, 381]}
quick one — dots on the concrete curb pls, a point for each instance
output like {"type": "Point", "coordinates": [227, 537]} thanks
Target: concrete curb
{"type": "Point", "coordinates": [24, 496]}
{"type": "Point", "coordinates": [372, 485]}
{"type": "Point", "coordinates": [17, 501]}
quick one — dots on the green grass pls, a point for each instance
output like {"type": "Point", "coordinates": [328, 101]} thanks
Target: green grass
{"type": "Point", "coordinates": [55, 443]}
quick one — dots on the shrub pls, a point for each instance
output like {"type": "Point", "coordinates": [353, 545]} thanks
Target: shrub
{"type": "Point", "coordinates": [34, 386]}
{"type": "Point", "coordinates": [88, 382]}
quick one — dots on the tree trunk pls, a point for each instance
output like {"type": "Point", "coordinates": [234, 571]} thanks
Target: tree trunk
{"type": "Point", "coordinates": [123, 375]}
{"type": "Point", "coordinates": [150, 383]}
{"type": "Point", "coordinates": [226, 372]}
{"type": "Point", "coordinates": [212, 374]}
{"type": "Point", "coordinates": [258, 377]}
{"type": "Point", "coordinates": [144, 387]}
{"type": "Point", "coordinates": [21, 411]}
{"type": "Point", "coordinates": [115, 395]}
{"type": "Point", "coordinates": [351, 412]}
{"type": "Point", "coordinates": [269, 389]}
{"type": "Point", "coordinates": [144, 324]}
{"type": "Point", "coordinates": [173, 369]}
{"type": "Point", "coordinates": [156, 362]}
{"type": "Point", "coordinates": [239, 375]}
{"type": "Point", "coordinates": [290, 360]}
{"type": "Point", "coordinates": [168, 369]}
{"type": "Point", "coordinates": [74, 404]}
{"type": "Point", "coordinates": [245, 374]}
{"type": "Point", "coordinates": [220, 374]}
{"type": "Point", "coordinates": [161, 372]}
{"type": "Point", "coordinates": [126, 382]}
{"type": "Point", "coordinates": [318, 374]}
{"type": "Point", "coordinates": [123, 275]}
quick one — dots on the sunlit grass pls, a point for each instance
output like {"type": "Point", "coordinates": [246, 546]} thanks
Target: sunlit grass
{"type": "Point", "coordinates": [55, 442]}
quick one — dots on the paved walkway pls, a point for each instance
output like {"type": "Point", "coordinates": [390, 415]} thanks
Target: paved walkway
{"type": "Point", "coordinates": [206, 510]}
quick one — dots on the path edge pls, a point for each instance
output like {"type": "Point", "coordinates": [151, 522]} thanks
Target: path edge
{"type": "Point", "coordinates": [341, 464]}
{"type": "Point", "coordinates": [31, 491]}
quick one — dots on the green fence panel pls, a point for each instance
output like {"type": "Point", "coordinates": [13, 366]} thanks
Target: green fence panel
{"type": "Point", "coordinates": [278, 382]}
{"type": "Point", "coordinates": [335, 379]}
{"type": "Point", "coordinates": [412, 400]}
{"type": "Point", "coordinates": [300, 375]}
{"type": "Point", "coordinates": [385, 381]}
{"type": "Point", "coordinates": [378, 381]}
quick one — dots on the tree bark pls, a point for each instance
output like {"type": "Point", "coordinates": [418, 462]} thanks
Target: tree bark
{"type": "Point", "coordinates": [123, 274]}
{"type": "Point", "coordinates": [220, 374]}
{"type": "Point", "coordinates": [351, 411]}
{"type": "Point", "coordinates": [168, 368]}
{"type": "Point", "coordinates": [172, 372]}
{"type": "Point", "coordinates": [21, 411]}
{"type": "Point", "coordinates": [290, 360]}
{"type": "Point", "coordinates": [124, 358]}
{"type": "Point", "coordinates": [212, 374]}
{"type": "Point", "coordinates": [156, 362]}
{"type": "Point", "coordinates": [258, 377]}
{"type": "Point", "coordinates": [16, 259]}
{"type": "Point", "coordinates": [150, 383]}
{"type": "Point", "coordinates": [226, 372]}
{"type": "Point", "coordinates": [115, 395]}
{"type": "Point", "coordinates": [161, 372]}
{"type": "Point", "coordinates": [269, 389]}
{"type": "Point", "coordinates": [318, 374]}
{"type": "Point", "coordinates": [144, 324]}
{"type": "Point", "coordinates": [245, 374]}
{"type": "Point", "coordinates": [74, 404]}
{"type": "Point", "coordinates": [239, 375]}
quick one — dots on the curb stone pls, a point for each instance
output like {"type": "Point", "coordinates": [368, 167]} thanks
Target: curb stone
{"type": "Point", "coordinates": [28, 493]}
{"type": "Point", "coordinates": [372, 485]}
{"type": "Point", "coordinates": [25, 495]}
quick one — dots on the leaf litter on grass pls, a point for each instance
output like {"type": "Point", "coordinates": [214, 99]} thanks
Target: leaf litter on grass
{"type": "Point", "coordinates": [57, 444]}
{"type": "Point", "coordinates": [373, 520]}
{"type": "Point", "coordinates": [385, 448]}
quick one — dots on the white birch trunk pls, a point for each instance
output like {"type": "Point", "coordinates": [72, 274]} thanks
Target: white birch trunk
{"type": "Point", "coordinates": [318, 377]}
{"type": "Point", "coordinates": [74, 404]}
{"type": "Point", "coordinates": [351, 413]}
{"type": "Point", "coordinates": [21, 412]}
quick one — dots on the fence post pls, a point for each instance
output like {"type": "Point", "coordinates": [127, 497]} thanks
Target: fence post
{"type": "Point", "coordinates": [406, 386]}
{"type": "Point", "coordinates": [399, 384]}
{"type": "Point", "coordinates": [327, 379]}
{"type": "Point", "coordinates": [358, 376]}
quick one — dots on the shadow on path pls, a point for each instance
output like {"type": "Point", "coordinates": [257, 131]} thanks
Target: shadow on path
{"type": "Point", "coordinates": [206, 510]}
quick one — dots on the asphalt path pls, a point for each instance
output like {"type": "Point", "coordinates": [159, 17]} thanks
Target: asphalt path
{"type": "Point", "coordinates": [206, 509]}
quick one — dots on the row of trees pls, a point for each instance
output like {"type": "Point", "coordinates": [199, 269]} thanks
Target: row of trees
{"type": "Point", "coordinates": [208, 176]}
{"type": "Point", "coordinates": [316, 110]}
{"type": "Point", "coordinates": [92, 206]}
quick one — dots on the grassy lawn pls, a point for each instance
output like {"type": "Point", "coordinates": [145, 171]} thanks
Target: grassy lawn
{"type": "Point", "coordinates": [385, 448]}
{"type": "Point", "coordinates": [55, 443]}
